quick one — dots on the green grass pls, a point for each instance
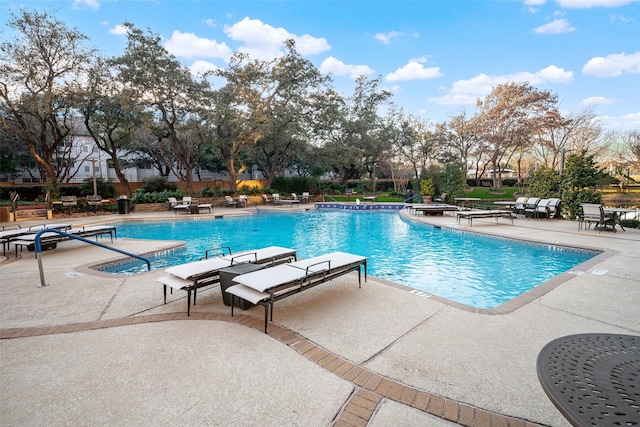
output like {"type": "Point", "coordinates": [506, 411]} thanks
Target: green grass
{"type": "Point", "coordinates": [485, 193]}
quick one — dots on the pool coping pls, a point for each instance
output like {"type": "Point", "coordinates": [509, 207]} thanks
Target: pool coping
{"type": "Point", "coordinates": [505, 308]}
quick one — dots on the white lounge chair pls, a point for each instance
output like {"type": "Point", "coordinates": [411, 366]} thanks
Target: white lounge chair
{"type": "Point", "coordinates": [266, 286]}
{"type": "Point", "coordinates": [193, 275]}
{"type": "Point", "coordinates": [184, 206]}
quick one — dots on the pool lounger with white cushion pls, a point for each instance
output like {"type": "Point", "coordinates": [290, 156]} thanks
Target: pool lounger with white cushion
{"type": "Point", "coordinates": [266, 286]}
{"type": "Point", "coordinates": [495, 213]}
{"type": "Point", "coordinates": [193, 275]}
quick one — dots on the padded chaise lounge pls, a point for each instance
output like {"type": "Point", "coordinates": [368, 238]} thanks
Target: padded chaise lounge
{"type": "Point", "coordinates": [266, 286]}
{"type": "Point", "coordinates": [494, 213]}
{"type": "Point", "coordinates": [193, 275]}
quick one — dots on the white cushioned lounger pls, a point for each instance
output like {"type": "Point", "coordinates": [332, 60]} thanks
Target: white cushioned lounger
{"type": "Point", "coordinates": [271, 284]}
{"type": "Point", "coordinates": [273, 254]}
{"type": "Point", "coordinates": [197, 274]}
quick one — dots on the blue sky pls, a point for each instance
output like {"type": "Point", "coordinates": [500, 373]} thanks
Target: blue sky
{"type": "Point", "coordinates": [436, 57]}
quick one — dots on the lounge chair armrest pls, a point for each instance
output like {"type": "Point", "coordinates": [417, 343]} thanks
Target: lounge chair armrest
{"type": "Point", "coordinates": [206, 253]}
{"type": "Point", "coordinates": [313, 271]}
{"type": "Point", "coordinates": [245, 254]}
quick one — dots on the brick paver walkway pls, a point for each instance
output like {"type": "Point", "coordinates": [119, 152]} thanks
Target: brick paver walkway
{"type": "Point", "coordinates": [370, 387]}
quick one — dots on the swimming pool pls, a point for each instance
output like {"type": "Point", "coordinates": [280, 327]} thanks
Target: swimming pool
{"type": "Point", "coordinates": [474, 270]}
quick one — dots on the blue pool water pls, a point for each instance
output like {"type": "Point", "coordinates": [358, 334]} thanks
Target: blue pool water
{"type": "Point", "coordinates": [478, 271]}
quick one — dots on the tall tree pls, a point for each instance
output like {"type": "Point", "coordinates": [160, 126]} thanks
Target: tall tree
{"type": "Point", "coordinates": [291, 102]}
{"type": "Point", "coordinates": [358, 140]}
{"type": "Point", "coordinates": [169, 92]}
{"type": "Point", "coordinates": [111, 116]}
{"type": "Point", "coordinates": [237, 114]}
{"type": "Point", "coordinates": [38, 70]}
{"type": "Point", "coordinates": [458, 139]}
{"type": "Point", "coordinates": [508, 118]}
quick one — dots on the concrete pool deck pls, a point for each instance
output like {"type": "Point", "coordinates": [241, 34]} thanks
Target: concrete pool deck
{"type": "Point", "coordinates": [92, 349]}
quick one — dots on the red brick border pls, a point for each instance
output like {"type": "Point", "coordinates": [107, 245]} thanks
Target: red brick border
{"type": "Point", "coordinates": [370, 387]}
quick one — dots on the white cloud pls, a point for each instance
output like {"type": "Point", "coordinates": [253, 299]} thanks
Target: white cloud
{"type": "Point", "coordinates": [557, 26]}
{"type": "Point", "coordinates": [200, 67]}
{"type": "Point", "coordinates": [414, 70]}
{"type": "Point", "coordinates": [597, 100]}
{"type": "Point", "coordinates": [465, 92]}
{"type": "Point", "coordinates": [119, 30]}
{"type": "Point", "coordinates": [210, 22]}
{"type": "Point", "coordinates": [555, 74]}
{"type": "Point", "coordinates": [621, 123]}
{"type": "Point", "coordinates": [336, 67]}
{"type": "Point", "coordinates": [585, 4]}
{"type": "Point", "coordinates": [613, 65]}
{"type": "Point", "coordinates": [93, 4]}
{"type": "Point", "coordinates": [188, 45]}
{"type": "Point", "coordinates": [262, 41]}
{"type": "Point", "coordinates": [386, 38]}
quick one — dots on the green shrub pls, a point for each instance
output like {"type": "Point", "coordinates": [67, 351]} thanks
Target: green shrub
{"type": "Point", "coordinates": [141, 196]}
{"type": "Point", "coordinates": [295, 184]}
{"type": "Point", "coordinates": [630, 223]}
{"type": "Point", "coordinates": [104, 188]}
{"type": "Point", "coordinates": [158, 184]}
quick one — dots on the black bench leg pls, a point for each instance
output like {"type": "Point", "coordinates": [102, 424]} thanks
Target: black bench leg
{"type": "Point", "coordinates": [266, 314]}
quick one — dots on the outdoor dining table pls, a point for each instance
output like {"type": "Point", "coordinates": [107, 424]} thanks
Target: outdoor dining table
{"type": "Point", "coordinates": [593, 379]}
{"type": "Point", "coordinates": [617, 213]}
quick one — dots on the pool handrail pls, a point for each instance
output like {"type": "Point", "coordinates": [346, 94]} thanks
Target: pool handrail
{"type": "Point", "coordinates": [410, 199]}
{"type": "Point", "coordinates": [38, 249]}
{"type": "Point", "coordinates": [328, 196]}
{"type": "Point", "coordinates": [253, 203]}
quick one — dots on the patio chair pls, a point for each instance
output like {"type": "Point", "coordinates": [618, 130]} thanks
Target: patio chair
{"type": "Point", "coordinates": [230, 202]}
{"type": "Point", "coordinates": [530, 207]}
{"type": "Point", "coordinates": [266, 198]}
{"type": "Point", "coordinates": [184, 206]}
{"type": "Point", "coordinates": [593, 213]}
{"type": "Point", "coordinates": [542, 209]}
{"type": "Point", "coordinates": [553, 208]}
{"type": "Point", "coordinates": [520, 205]}
{"type": "Point", "coordinates": [172, 202]}
{"type": "Point", "coordinates": [305, 197]}
{"type": "Point", "coordinates": [441, 199]}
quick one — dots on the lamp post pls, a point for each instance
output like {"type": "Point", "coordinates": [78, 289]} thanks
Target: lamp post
{"type": "Point", "coordinates": [95, 185]}
{"type": "Point", "coordinates": [374, 178]}
{"type": "Point", "coordinates": [563, 152]}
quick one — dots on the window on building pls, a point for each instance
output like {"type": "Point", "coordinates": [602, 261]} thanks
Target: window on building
{"type": "Point", "coordinates": [87, 169]}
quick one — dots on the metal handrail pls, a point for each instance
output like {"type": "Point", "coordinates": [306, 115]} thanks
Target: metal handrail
{"type": "Point", "coordinates": [413, 197]}
{"type": "Point", "coordinates": [328, 196]}
{"type": "Point", "coordinates": [38, 249]}
{"type": "Point", "coordinates": [254, 205]}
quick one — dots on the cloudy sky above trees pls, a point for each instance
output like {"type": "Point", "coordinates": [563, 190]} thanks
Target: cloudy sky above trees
{"type": "Point", "coordinates": [437, 57]}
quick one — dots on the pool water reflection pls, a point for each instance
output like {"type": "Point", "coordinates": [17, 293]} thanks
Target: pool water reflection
{"type": "Point", "coordinates": [474, 270]}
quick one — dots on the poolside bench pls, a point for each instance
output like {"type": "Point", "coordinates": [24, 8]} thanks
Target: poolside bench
{"type": "Point", "coordinates": [50, 240]}
{"type": "Point", "coordinates": [497, 214]}
{"type": "Point", "coordinates": [69, 201]}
